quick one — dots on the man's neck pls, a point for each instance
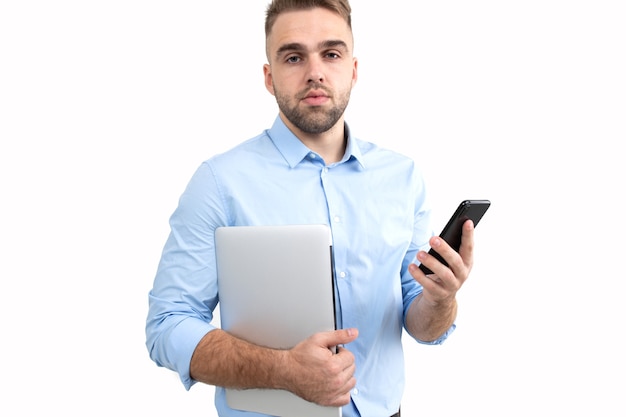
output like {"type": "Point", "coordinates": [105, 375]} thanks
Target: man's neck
{"type": "Point", "coordinates": [330, 145]}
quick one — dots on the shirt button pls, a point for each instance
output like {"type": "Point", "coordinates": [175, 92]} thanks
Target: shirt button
{"type": "Point", "coordinates": [355, 391]}
{"type": "Point", "coordinates": [342, 274]}
{"type": "Point", "coordinates": [312, 155]}
{"type": "Point", "coordinates": [337, 219]}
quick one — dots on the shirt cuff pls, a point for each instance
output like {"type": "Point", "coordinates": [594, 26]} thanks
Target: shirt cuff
{"type": "Point", "coordinates": [184, 339]}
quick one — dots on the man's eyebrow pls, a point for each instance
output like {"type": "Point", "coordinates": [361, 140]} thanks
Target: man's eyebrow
{"type": "Point", "coordinates": [298, 47]}
{"type": "Point", "coordinates": [333, 44]}
{"type": "Point", "coordinates": [290, 47]}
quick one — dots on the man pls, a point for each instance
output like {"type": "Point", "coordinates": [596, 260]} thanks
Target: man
{"type": "Point", "coordinates": [308, 168]}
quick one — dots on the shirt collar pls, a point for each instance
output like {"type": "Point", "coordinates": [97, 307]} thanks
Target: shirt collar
{"type": "Point", "coordinates": [294, 151]}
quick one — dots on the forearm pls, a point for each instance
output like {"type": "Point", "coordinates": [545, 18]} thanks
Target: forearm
{"type": "Point", "coordinates": [224, 360]}
{"type": "Point", "coordinates": [428, 321]}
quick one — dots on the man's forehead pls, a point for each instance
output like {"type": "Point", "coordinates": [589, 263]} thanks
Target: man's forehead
{"type": "Point", "coordinates": [310, 28]}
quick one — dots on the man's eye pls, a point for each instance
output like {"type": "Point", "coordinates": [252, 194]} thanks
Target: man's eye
{"type": "Point", "coordinates": [332, 55]}
{"type": "Point", "coordinates": [293, 59]}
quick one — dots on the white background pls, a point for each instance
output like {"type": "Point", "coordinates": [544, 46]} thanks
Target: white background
{"type": "Point", "coordinates": [107, 108]}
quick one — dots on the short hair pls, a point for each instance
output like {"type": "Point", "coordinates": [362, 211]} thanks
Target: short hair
{"type": "Point", "coordinates": [276, 7]}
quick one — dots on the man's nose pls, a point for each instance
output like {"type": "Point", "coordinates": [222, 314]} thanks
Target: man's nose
{"type": "Point", "coordinates": [316, 73]}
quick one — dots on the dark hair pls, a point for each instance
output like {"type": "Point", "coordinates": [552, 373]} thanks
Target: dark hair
{"type": "Point", "coordinates": [276, 7]}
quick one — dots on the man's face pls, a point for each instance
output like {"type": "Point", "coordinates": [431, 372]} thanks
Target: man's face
{"type": "Point", "coordinates": [311, 68]}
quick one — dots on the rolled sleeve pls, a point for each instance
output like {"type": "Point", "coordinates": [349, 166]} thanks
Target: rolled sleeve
{"type": "Point", "coordinates": [441, 338]}
{"type": "Point", "coordinates": [171, 341]}
{"type": "Point", "coordinates": [182, 343]}
{"type": "Point", "coordinates": [184, 293]}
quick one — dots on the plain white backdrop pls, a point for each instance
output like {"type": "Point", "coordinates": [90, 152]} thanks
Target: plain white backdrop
{"type": "Point", "coordinates": [107, 108]}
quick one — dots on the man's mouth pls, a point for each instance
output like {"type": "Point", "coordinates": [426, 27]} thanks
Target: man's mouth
{"type": "Point", "coordinates": [315, 98]}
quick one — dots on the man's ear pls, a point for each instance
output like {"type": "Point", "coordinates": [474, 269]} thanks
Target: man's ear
{"type": "Point", "coordinates": [267, 75]}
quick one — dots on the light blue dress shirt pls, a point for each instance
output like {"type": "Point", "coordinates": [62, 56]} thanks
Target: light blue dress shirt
{"type": "Point", "coordinates": [375, 203]}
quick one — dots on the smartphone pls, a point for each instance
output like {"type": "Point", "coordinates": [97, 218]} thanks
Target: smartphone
{"type": "Point", "coordinates": [468, 210]}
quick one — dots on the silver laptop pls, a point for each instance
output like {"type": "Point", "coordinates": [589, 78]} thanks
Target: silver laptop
{"type": "Point", "coordinates": [276, 289]}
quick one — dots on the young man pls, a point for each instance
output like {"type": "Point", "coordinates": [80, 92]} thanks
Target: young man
{"type": "Point", "coordinates": [308, 168]}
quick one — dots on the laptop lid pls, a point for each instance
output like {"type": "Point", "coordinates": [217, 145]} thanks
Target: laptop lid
{"type": "Point", "coordinates": [276, 289]}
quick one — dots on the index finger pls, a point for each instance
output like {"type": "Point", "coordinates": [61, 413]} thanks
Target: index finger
{"type": "Point", "coordinates": [467, 242]}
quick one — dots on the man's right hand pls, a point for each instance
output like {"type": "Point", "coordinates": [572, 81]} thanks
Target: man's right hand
{"type": "Point", "coordinates": [315, 373]}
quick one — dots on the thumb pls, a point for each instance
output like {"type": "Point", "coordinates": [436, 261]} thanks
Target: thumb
{"type": "Point", "coordinates": [339, 337]}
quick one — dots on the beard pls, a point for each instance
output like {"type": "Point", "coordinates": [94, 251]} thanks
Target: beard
{"type": "Point", "coordinates": [312, 120]}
